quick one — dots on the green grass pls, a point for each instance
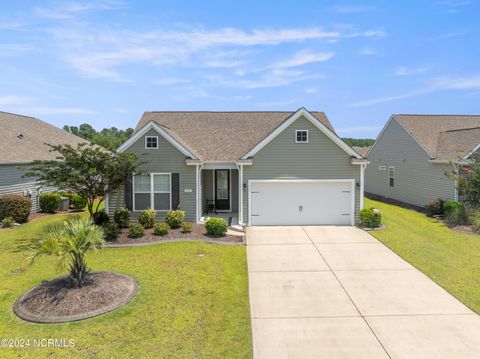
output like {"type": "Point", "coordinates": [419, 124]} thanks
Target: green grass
{"type": "Point", "coordinates": [193, 301]}
{"type": "Point", "coordinates": [450, 258]}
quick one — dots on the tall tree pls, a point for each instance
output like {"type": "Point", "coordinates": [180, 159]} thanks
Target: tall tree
{"type": "Point", "coordinates": [110, 138]}
{"type": "Point", "coordinates": [88, 170]}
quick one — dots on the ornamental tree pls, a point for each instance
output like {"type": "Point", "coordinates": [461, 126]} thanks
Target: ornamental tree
{"type": "Point", "coordinates": [468, 183]}
{"type": "Point", "coordinates": [88, 170]}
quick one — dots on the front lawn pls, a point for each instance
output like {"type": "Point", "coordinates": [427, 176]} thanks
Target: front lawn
{"type": "Point", "coordinates": [450, 258]}
{"type": "Point", "coordinates": [193, 302]}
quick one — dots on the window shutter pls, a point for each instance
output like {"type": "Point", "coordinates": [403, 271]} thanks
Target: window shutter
{"type": "Point", "coordinates": [128, 194]}
{"type": "Point", "coordinates": [175, 190]}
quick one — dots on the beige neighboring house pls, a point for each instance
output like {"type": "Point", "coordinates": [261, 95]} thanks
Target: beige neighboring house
{"type": "Point", "coordinates": [22, 141]}
{"type": "Point", "coordinates": [410, 156]}
{"type": "Point", "coordinates": [362, 150]}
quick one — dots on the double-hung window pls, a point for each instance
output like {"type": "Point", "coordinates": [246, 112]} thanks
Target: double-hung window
{"type": "Point", "coordinates": [152, 191]}
{"type": "Point", "coordinates": [391, 176]}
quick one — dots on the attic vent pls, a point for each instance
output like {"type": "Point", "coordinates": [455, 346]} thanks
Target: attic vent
{"type": "Point", "coordinates": [19, 135]}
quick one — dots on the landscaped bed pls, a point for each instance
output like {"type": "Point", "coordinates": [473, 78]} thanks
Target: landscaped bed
{"type": "Point", "coordinates": [192, 302]}
{"type": "Point", "coordinates": [449, 257]}
{"type": "Point", "coordinates": [198, 233]}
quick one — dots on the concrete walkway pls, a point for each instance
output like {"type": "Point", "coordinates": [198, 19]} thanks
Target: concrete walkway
{"type": "Point", "coordinates": [336, 292]}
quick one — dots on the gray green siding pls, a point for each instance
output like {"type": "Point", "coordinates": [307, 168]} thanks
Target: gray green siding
{"type": "Point", "coordinates": [165, 159]}
{"type": "Point", "coordinates": [282, 158]}
{"type": "Point", "coordinates": [417, 181]}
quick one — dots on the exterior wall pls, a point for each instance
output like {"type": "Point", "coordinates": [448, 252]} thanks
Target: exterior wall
{"type": "Point", "coordinates": [417, 181]}
{"type": "Point", "coordinates": [320, 158]}
{"type": "Point", "coordinates": [12, 182]}
{"type": "Point", "coordinates": [165, 159]}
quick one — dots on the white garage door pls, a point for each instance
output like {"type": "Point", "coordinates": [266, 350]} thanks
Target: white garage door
{"type": "Point", "coordinates": [309, 202]}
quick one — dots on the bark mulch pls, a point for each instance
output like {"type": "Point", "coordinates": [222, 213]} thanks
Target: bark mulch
{"type": "Point", "coordinates": [56, 301]}
{"type": "Point", "coordinates": [198, 233]}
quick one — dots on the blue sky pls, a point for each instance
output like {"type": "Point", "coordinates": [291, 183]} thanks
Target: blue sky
{"type": "Point", "coordinates": [105, 62]}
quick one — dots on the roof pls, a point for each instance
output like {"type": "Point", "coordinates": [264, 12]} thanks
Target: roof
{"type": "Point", "coordinates": [23, 138]}
{"type": "Point", "coordinates": [221, 136]}
{"type": "Point", "coordinates": [444, 137]}
{"type": "Point", "coordinates": [362, 151]}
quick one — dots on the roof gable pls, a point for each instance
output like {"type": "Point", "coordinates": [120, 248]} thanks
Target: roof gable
{"type": "Point", "coordinates": [23, 138]}
{"type": "Point", "coordinates": [220, 136]}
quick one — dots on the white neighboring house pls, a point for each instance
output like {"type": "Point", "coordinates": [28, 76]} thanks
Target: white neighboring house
{"type": "Point", "coordinates": [23, 140]}
{"type": "Point", "coordinates": [410, 156]}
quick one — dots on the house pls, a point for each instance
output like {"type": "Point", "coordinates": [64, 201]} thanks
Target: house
{"type": "Point", "coordinates": [22, 141]}
{"type": "Point", "coordinates": [362, 151]}
{"type": "Point", "coordinates": [410, 156]}
{"type": "Point", "coordinates": [264, 168]}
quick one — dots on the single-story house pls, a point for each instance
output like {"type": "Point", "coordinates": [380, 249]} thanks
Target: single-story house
{"type": "Point", "coordinates": [265, 168]}
{"type": "Point", "coordinates": [411, 154]}
{"type": "Point", "coordinates": [22, 141]}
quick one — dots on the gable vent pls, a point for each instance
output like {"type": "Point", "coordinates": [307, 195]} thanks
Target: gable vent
{"type": "Point", "coordinates": [20, 135]}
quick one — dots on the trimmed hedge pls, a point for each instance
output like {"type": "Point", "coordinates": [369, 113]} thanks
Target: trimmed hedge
{"type": "Point", "coordinates": [49, 202]}
{"type": "Point", "coordinates": [216, 226]}
{"type": "Point", "coordinates": [370, 218]}
{"type": "Point", "coordinates": [15, 206]}
{"type": "Point", "coordinates": [175, 218]}
{"type": "Point", "coordinates": [161, 229]}
{"type": "Point", "coordinates": [147, 218]}
{"type": "Point", "coordinates": [136, 230]}
{"type": "Point", "coordinates": [122, 217]}
{"type": "Point", "coordinates": [187, 227]}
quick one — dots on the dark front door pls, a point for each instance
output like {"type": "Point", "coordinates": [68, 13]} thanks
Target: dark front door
{"type": "Point", "coordinates": [222, 189]}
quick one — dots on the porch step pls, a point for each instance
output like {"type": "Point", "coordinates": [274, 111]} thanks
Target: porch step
{"type": "Point", "coordinates": [237, 228]}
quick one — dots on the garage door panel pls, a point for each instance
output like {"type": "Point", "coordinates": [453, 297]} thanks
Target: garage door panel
{"type": "Point", "coordinates": [301, 203]}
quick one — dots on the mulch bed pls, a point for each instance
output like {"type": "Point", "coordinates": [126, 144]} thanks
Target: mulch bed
{"type": "Point", "coordinates": [56, 301]}
{"type": "Point", "coordinates": [198, 233]}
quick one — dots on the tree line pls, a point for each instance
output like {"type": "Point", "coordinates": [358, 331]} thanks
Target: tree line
{"type": "Point", "coordinates": [110, 138]}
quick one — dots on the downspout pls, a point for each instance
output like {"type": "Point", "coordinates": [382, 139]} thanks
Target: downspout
{"type": "Point", "coordinates": [197, 193]}
{"type": "Point", "coordinates": [362, 184]}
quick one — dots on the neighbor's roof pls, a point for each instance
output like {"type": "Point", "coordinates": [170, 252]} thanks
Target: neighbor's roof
{"type": "Point", "coordinates": [445, 137]}
{"type": "Point", "coordinates": [362, 151]}
{"type": "Point", "coordinates": [23, 138]}
{"type": "Point", "coordinates": [221, 136]}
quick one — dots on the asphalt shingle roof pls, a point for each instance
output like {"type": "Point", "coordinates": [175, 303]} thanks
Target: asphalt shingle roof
{"type": "Point", "coordinates": [445, 137]}
{"type": "Point", "coordinates": [221, 136]}
{"type": "Point", "coordinates": [23, 138]}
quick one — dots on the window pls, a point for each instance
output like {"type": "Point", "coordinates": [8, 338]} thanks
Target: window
{"type": "Point", "coordinates": [301, 136]}
{"type": "Point", "coordinates": [151, 142]}
{"type": "Point", "coordinates": [391, 176]}
{"type": "Point", "coordinates": [152, 191]}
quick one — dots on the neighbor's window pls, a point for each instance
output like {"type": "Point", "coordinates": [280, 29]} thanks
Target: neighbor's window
{"type": "Point", "coordinates": [151, 142]}
{"type": "Point", "coordinates": [391, 176]}
{"type": "Point", "coordinates": [152, 191]}
{"type": "Point", "coordinates": [301, 136]}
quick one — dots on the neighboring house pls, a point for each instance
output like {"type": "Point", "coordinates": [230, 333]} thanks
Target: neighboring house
{"type": "Point", "coordinates": [362, 151]}
{"type": "Point", "coordinates": [410, 156]}
{"type": "Point", "coordinates": [266, 168]}
{"type": "Point", "coordinates": [22, 141]}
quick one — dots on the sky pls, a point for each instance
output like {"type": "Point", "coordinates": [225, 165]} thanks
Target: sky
{"type": "Point", "coordinates": [106, 62]}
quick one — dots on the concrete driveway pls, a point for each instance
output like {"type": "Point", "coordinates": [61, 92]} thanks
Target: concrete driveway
{"type": "Point", "coordinates": [336, 292]}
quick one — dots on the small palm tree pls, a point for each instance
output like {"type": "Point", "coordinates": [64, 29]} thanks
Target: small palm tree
{"type": "Point", "coordinates": [69, 242]}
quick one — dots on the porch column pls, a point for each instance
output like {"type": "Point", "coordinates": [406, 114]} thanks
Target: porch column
{"type": "Point", "coordinates": [197, 193]}
{"type": "Point", "coordinates": [240, 194]}
{"type": "Point", "coordinates": [362, 184]}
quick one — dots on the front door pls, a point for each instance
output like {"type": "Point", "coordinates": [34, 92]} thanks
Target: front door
{"type": "Point", "coordinates": [222, 190]}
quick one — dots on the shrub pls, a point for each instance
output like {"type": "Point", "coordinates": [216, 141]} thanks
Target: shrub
{"type": "Point", "coordinates": [122, 217]}
{"type": "Point", "coordinates": [216, 226]}
{"type": "Point", "coordinates": [100, 218]}
{"type": "Point", "coordinates": [147, 218]}
{"type": "Point", "coordinates": [136, 230]}
{"type": "Point", "coordinates": [175, 218]}
{"type": "Point", "coordinates": [450, 206]}
{"type": "Point", "coordinates": [7, 222]}
{"type": "Point", "coordinates": [476, 220]}
{"type": "Point", "coordinates": [187, 227]}
{"type": "Point", "coordinates": [456, 214]}
{"type": "Point", "coordinates": [15, 206]}
{"type": "Point", "coordinates": [110, 231]}
{"type": "Point", "coordinates": [161, 229]}
{"type": "Point", "coordinates": [77, 202]}
{"type": "Point", "coordinates": [434, 207]}
{"type": "Point", "coordinates": [370, 218]}
{"type": "Point", "coordinates": [49, 202]}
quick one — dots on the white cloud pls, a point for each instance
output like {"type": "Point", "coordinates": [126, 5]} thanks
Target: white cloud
{"type": "Point", "coordinates": [368, 51]}
{"type": "Point", "coordinates": [303, 58]}
{"type": "Point", "coordinates": [242, 97]}
{"type": "Point", "coordinates": [404, 71]}
{"type": "Point", "coordinates": [350, 9]}
{"type": "Point", "coordinates": [311, 90]}
{"type": "Point", "coordinates": [9, 100]}
{"type": "Point", "coordinates": [68, 10]}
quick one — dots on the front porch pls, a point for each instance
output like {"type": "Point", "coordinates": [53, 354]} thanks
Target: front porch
{"type": "Point", "coordinates": [230, 217]}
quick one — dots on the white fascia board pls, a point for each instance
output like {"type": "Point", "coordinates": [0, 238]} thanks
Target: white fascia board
{"type": "Point", "coordinates": [356, 161]}
{"type": "Point", "coordinates": [152, 125]}
{"type": "Point", "coordinates": [317, 123]}
{"type": "Point", "coordinates": [467, 156]}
